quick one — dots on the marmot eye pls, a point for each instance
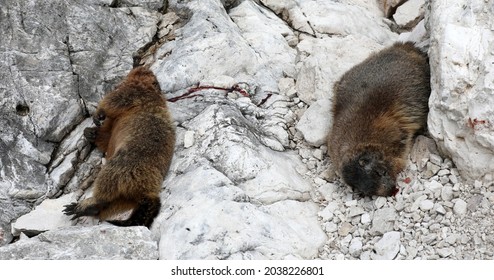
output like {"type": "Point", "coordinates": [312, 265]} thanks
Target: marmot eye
{"type": "Point", "coordinates": [362, 162]}
{"type": "Point", "coordinates": [382, 172]}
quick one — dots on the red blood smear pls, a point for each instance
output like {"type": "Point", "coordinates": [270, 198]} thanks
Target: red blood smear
{"type": "Point", "coordinates": [407, 180]}
{"type": "Point", "coordinates": [395, 191]}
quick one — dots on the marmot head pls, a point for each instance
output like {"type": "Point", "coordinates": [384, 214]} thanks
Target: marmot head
{"type": "Point", "coordinates": [139, 88]}
{"type": "Point", "coordinates": [369, 173]}
{"type": "Point", "coordinates": [145, 77]}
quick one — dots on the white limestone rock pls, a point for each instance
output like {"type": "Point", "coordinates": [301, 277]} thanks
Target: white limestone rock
{"type": "Point", "coordinates": [46, 216]}
{"type": "Point", "coordinates": [388, 6]}
{"type": "Point", "coordinates": [325, 60]}
{"type": "Point", "coordinates": [103, 242]}
{"type": "Point", "coordinates": [213, 219]}
{"type": "Point", "coordinates": [286, 87]}
{"type": "Point", "coordinates": [419, 35]}
{"type": "Point", "coordinates": [315, 123]}
{"type": "Point", "coordinates": [409, 13]}
{"type": "Point", "coordinates": [213, 43]}
{"type": "Point", "coordinates": [342, 18]}
{"type": "Point", "coordinates": [462, 104]}
{"type": "Point", "coordinates": [232, 201]}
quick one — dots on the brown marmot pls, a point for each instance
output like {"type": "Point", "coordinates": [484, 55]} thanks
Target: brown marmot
{"type": "Point", "coordinates": [135, 130]}
{"type": "Point", "coordinates": [379, 106]}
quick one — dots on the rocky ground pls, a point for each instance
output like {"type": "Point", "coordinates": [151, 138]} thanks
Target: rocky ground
{"type": "Point", "coordinates": [250, 177]}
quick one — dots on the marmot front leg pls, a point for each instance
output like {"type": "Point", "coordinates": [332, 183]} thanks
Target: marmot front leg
{"type": "Point", "coordinates": [99, 135]}
{"type": "Point", "coordinates": [90, 133]}
{"type": "Point", "coordinates": [99, 116]}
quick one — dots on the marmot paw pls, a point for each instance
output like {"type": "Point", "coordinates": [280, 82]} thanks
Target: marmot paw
{"type": "Point", "coordinates": [90, 134]}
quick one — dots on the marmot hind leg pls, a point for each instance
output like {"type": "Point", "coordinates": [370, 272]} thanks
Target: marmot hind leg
{"type": "Point", "coordinates": [88, 207]}
{"type": "Point", "coordinates": [147, 209]}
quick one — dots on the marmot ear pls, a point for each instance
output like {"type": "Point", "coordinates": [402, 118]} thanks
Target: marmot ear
{"type": "Point", "coordinates": [156, 84]}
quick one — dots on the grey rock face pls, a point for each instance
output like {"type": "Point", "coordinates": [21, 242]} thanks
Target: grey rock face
{"type": "Point", "coordinates": [57, 58]}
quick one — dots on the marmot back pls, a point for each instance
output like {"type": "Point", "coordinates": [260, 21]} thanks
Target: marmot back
{"type": "Point", "coordinates": [379, 106]}
{"type": "Point", "coordinates": [135, 130]}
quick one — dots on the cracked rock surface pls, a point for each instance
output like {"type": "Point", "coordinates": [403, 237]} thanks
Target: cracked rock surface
{"type": "Point", "coordinates": [250, 176]}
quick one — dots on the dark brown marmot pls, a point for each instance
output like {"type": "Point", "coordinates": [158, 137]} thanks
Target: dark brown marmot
{"type": "Point", "coordinates": [135, 130]}
{"type": "Point", "coordinates": [379, 106]}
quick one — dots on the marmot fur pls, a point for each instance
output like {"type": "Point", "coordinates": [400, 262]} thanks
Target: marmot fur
{"type": "Point", "coordinates": [135, 130]}
{"type": "Point", "coordinates": [379, 106]}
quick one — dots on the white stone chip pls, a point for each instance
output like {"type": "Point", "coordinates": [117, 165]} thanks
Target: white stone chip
{"type": "Point", "coordinates": [460, 207]}
{"type": "Point", "coordinates": [426, 205]}
{"type": "Point", "coordinates": [387, 247]}
{"type": "Point", "coordinates": [189, 139]}
{"type": "Point", "coordinates": [355, 247]}
{"type": "Point", "coordinates": [315, 123]}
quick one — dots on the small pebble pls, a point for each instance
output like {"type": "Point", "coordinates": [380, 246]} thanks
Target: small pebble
{"type": "Point", "coordinates": [387, 247]}
{"type": "Point", "coordinates": [331, 227]}
{"type": "Point", "coordinates": [326, 214]}
{"type": "Point", "coordinates": [435, 159]}
{"type": "Point", "coordinates": [453, 179]}
{"type": "Point", "coordinates": [355, 211]}
{"type": "Point", "coordinates": [365, 218]}
{"type": "Point", "coordinates": [380, 202]}
{"type": "Point", "coordinates": [444, 252]}
{"type": "Point", "coordinates": [440, 209]}
{"type": "Point", "coordinates": [447, 193]}
{"type": "Point", "coordinates": [318, 154]}
{"type": "Point", "coordinates": [443, 172]}
{"type": "Point", "coordinates": [460, 207]}
{"type": "Point", "coordinates": [444, 179]}
{"type": "Point", "coordinates": [189, 139]}
{"type": "Point", "coordinates": [351, 203]}
{"type": "Point", "coordinates": [365, 255]}
{"type": "Point", "coordinates": [426, 205]}
{"type": "Point", "coordinates": [319, 182]}
{"type": "Point", "coordinates": [355, 247]}
{"type": "Point", "coordinates": [345, 229]}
